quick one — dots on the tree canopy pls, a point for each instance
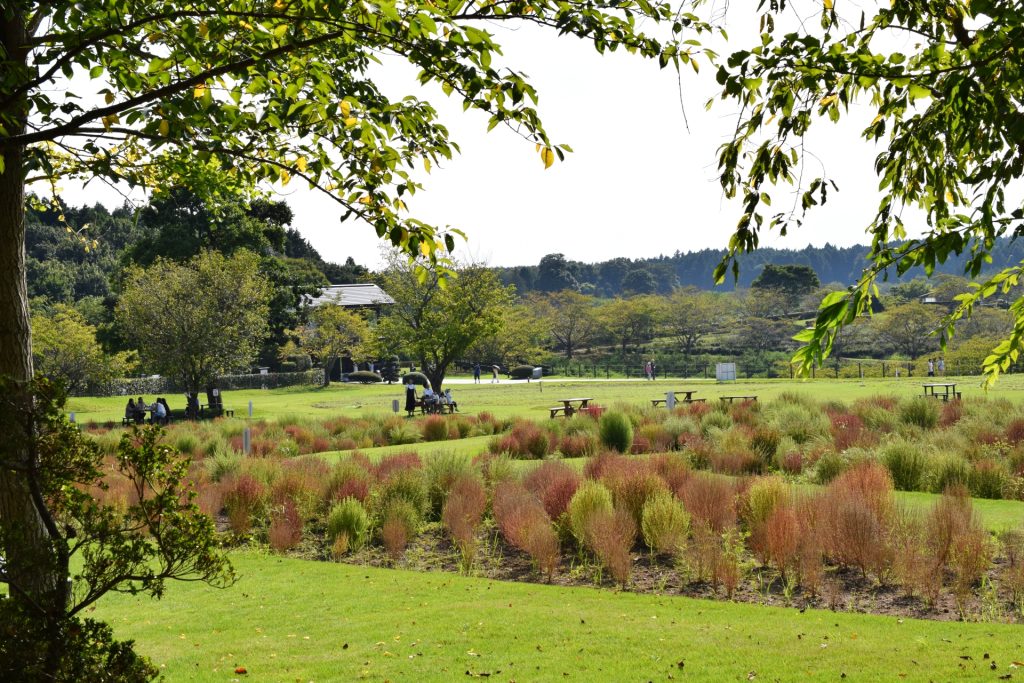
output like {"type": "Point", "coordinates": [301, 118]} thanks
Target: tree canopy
{"type": "Point", "coordinates": [945, 82]}
{"type": "Point", "coordinates": [196, 321]}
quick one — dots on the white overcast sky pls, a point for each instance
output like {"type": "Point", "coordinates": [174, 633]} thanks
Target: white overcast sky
{"type": "Point", "coordinates": [638, 184]}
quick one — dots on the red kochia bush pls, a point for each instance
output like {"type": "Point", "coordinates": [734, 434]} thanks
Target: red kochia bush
{"type": "Point", "coordinates": [524, 524]}
{"type": "Point", "coordinates": [856, 517]}
{"type": "Point", "coordinates": [285, 528]}
{"type": "Point", "coordinates": [462, 513]}
{"type": "Point", "coordinates": [711, 502]}
{"type": "Point", "coordinates": [553, 483]}
{"type": "Point", "coordinates": [242, 498]}
{"type": "Point", "coordinates": [673, 468]}
{"type": "Point", "coordinates": [397, 462]}
{"type": "Point", "coordinates": [612, 536]}
{"type": "Point", "coordinates": [847, 430]}
{"type": "Point", "coordinates": [1014, 430]}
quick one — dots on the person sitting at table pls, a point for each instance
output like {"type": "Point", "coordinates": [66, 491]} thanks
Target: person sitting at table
{"type": "Point", "coordinates": [429, 400]}
{"type": "Point", "coordinates": [159, 413]}
{"type": "Point", "coordinates": [140, 411]}
{"type": "Point", "coordinates": [129, 410]}
{"type": "Point", "coordinates": [448, 399]}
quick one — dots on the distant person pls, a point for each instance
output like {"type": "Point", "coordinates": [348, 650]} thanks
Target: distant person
{"type": "Point", "coordinates": [430, 400]}
{"type": "Point", "coordinates": [931, 367]}
{"type": "Point", "coordinates": [476, 373]}
{"type": "Point", "coordinates": [410, 398]}
{"type": "Point", "coordinates": [129, 410]}
{"type": "Point", "coordinates": [654, 371]}
{"type": "Point", "coordinates": [167, 409]}
{"type": "Point", "coordinates": [494, 374]}
{"type": "Point", "coordinates": [942, 367]}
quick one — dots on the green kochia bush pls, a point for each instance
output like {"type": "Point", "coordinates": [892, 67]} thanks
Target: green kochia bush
{"type": "Point", "coordinates": [664, 523]}
{"type": "Point", "coordinates": [948, 471]}
{"type": "Point", "coordinates": [616, 431]}
{"type": "Point", "coordinates": [348, 518]}
{"type": "Point", "coordinates": [591, 499]}
{"type": "Point", "coordinates": [906, 464]}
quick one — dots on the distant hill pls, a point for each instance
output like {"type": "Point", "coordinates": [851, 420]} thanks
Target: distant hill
{"type": "Point", "coordinates": [662, 273]}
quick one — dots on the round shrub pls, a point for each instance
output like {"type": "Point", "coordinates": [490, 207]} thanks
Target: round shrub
{"type": "Point", "coordinates": [416, 378]}
{"type": "Point", "coordinates": [665, 523]}
{"type": "Point", "coordinates": [714, 420]}
{"type": "Point", "coordinates": [364, 377]}
{"type": "Point", "coordinates": [434, 428]}
{"type": "Point", "coordinates": [348, 519]}
{"type": "Point", "coordinates": [906, 464]}
{"type": "Point", "coordinates": [920, 411]}
{"type": "Point", "coordinates": [591, 499]}
{"type": "Point", "coordinates": [830, 466]}
{"type": "Point", "coordinates": [400, 522]}
{"type": "Point", "coordinates": [521, 372]}
{"type": "Point", "coordinates": [616, 431]}
{"type": "Point", "coordinates": [408, 485]}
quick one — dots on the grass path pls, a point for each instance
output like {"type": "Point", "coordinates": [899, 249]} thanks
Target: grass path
{"type": "Point", "coordinates": [295, 620]}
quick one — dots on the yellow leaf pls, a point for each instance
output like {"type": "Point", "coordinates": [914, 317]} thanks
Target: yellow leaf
{"type": "Point", "coordinates": [365, 199]}
{"type": "Point", "coordinates": [425, 248]}
{"type": "Point", "coordinates": [285, 176]}
{"type": "Point", "coordinates": [878, 117]}
{"type": "Point", "coordinates": [346, 109]}
{"type": "Point", "coordinates": [426, 164]}
{"type": "Point", "coordinates": [538, 147]}
{"type": "Point", "coordinates": [279, 5]}
{"type": "Point", "coordinates": [351, 121]}
{"type": "Point", "coordinates": [203, 29]}
{"type": "Point", "coordinates": [108, 98]}
{"type": "Point", "coordinates": [199, 91]}
{"type": "Point", "coordinates": [825, 101]}
{"type": "Point", "coordinates": [300, 164]}
{"type": "Point", "coordinates": [165, 128]}
{"type": "Point", "coordinates": [828, 4]}
{"type": "Point", "coordinates": [547, 156]}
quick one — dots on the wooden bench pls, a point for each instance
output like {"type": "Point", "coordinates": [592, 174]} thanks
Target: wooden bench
{"type": "Point", "coordinates": [730, 399]}
{"type": "Point", "coordinates": [559, 410]}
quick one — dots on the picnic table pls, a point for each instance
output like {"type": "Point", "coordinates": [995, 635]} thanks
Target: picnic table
{"type": "Point", "coordinates": [730, 399]}
{"type": "Point", "coordinates": [941, 390]}
{"type": "Point", "coordinates": [686, 394]}
{"type": "Point", "coordinates": [567, 408]}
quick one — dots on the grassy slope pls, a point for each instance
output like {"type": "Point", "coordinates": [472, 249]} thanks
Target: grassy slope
{"type": "Point", "coordinates": [313, 621]}
{"type": "Point", "coordinates": [533, 399]}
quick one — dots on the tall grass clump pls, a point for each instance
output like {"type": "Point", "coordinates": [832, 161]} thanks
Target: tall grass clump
{"type": "Point", "coordinates": [987, 479]}
{"type": "Point", "coordinates": [348, 526]}
{"type": "Point", "coordinates": [400, 522]}
{"type": "Point", "coordinates": [611, 535]}
{"type": "Point", "coordinates": [948, 470]}
{"type": "Point", "coordinates": [406, 485]}
{"type": "Point", "coordinates": [906, 464]}
{"type": "Point", "coordinates": [616, 431]}
{"type": "Point", "coordinates": [920, 411]}
{"type": "Point", "coordinates": [442, 471]}
{"type": "Point", "coordinates": [285, 530]}
{"type": "Point", "coordinates": [244, 498]}
{"type": "Point", "coordinates": [524, 524]}
{"type": "Point", "coordinates": [434, 428]}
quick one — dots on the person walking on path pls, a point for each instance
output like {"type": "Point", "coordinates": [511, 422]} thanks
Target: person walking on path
{"type": "Point", "coordinates": [476, 373]}
{"type": "Point", "coordinates": [494, 374]}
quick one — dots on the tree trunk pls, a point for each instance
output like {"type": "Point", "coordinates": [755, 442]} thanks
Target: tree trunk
{"type": "Point", "coordinates": [328, 366]}
{"type": "Point", "coordinates": [34, 572]}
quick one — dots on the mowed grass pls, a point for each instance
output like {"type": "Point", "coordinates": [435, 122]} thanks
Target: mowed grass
{"type": "Point", "coordinates": [295, 620]}
{"type": "Point", "coordinates": [532, 399]}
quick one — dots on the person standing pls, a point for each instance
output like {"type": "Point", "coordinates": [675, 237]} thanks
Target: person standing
{"type": "Point", "coordinates": [931, 367]}
{"type": "Point", "coordinates": [494, 374]}
{"type": "Point", "coordinates": [476, 373]}
{"type": "Point", "coordinates": [654, 371]}
{"type": "Point", "coordinates": [942, 367]}
{"type": "Point", "coordinates": [410, 398]}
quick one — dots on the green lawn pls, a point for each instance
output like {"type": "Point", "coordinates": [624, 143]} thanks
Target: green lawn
{"type": "Point", "coordinates": [312, 621]}
{"type": "Point", "coordinates": [533, 399]}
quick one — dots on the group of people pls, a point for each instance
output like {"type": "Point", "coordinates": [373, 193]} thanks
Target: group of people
{"type": "Point", "coordinates": [432, 401]}
{"type": "Point", "coordinates": [934, 365]}
{"type": "Point", "coordinates": [650, 371]}
{"type": "Point", "coordinates": [136, 411]}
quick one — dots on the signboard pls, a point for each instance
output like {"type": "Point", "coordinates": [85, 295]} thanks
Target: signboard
{"type": "Point", "coordinates": [725, 372]}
